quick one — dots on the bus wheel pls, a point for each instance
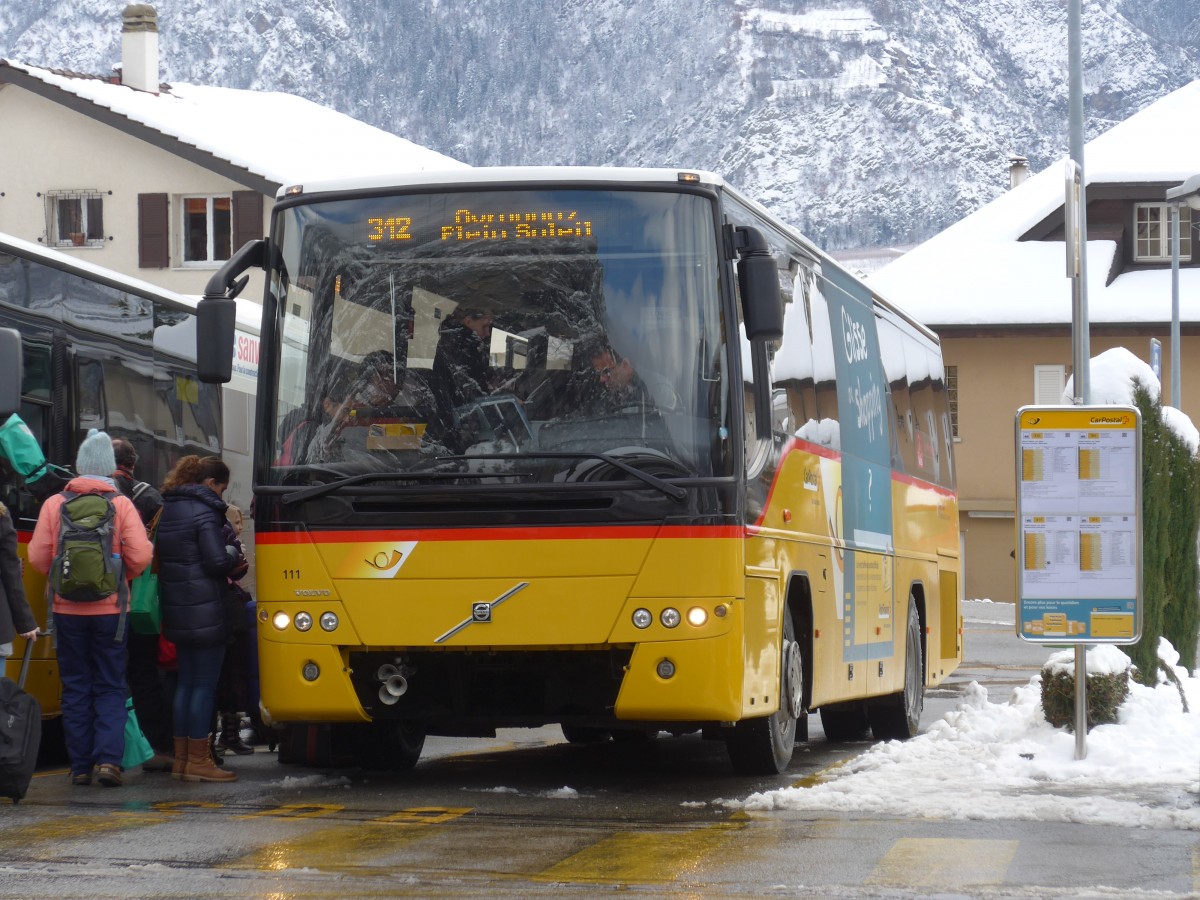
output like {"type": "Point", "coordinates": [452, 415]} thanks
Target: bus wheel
{"type": "Point", "coordinates": [764, 746]}
{"type": "Point", "coordinates": [391, 746]}
{"type": "Point", "coordinates": [582, 734]}
{"type": "Point", "coordinates": [898, 717]}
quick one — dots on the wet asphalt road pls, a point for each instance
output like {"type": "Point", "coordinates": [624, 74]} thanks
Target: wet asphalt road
{"type": "Point", "coordinates": [529, 815]}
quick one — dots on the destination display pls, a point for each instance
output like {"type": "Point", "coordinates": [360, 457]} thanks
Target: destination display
{"type": "Point", "coordinates": [485, 225]}
{"type": "Point", "coordinates": [1079, 533]}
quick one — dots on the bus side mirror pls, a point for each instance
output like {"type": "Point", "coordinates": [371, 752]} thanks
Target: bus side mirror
{"type": "Point", "coordinates": [215, 320]}
{"type": "Point", "coordinates": [10, 372]}
{"type": "Point", "coordinates": [758, 281]}
{"type": "Point", "coordinates": [216, 314]}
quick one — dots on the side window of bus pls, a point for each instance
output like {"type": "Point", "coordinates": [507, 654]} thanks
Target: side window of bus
{"type": "Point", "coordinates": [941, 414]}
{"type": "Point", "coordinates": [792, 367]}
{"type": "Point", "coordinates": [891, 348]}
{"type": "Point", "coordinates": [824, 368]}
{"type": "Point", "coordinates": [924, 427]}
{"type": "Point", "coordinates": [89, 396]}
{"type": "Point", "coordinates": [35, 413]}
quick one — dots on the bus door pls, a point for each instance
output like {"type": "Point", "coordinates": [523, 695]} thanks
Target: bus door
{"type": "Point", "coordinates": [867, 594]}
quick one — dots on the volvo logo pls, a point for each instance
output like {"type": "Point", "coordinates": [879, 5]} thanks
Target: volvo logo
{"type": "Point", "coordinates": [481, 611]}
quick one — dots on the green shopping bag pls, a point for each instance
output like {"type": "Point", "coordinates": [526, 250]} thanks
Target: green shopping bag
{"type": "Point", "coordinates": [137, 748]}
{"type": "Point", "coordinates": [145, 614]}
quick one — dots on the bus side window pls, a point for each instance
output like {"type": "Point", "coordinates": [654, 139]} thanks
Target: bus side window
{"type": "Point", "coordinates": [920, 389]}
{"type": "Point", "coordinates": [941, 414]}
{"type": "Point", "coordinates": [824, 369]}
{"type": "Point", "coordinates": [891, 348]}
{"type": "Point", "coordinates": [792, 367]}
{"type": "Point", "coordinates": [89, 394]}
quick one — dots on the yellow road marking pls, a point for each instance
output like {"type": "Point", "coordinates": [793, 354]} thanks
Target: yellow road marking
{"type": "Point", "coordinates": [296, 811]}
{"type": "Point", "coordinates": [822, 774]}
{"type": "Point", "coordinates": [944, 863]}
{"type": "Point", "coordinates": [55, 831]}
{"type": "Point", "coordinates": [423, 815]}
{"type": "Point", "coordinates": [346, 847]}
{"type": "Point", "coordinates": [642, 857]}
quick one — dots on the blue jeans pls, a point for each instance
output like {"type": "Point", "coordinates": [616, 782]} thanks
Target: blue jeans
{"type": "Point", "coordinates": [196, 690]}
{"type": "Point", "coordinates": [91, 665]}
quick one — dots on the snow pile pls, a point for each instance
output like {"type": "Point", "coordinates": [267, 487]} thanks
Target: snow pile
{"type": "Point", "coordinates": [1004, 761]}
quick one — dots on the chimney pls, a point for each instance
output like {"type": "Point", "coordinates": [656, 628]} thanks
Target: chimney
{"type": "Point", "coordinates": [139, 47]}
{"type": "Point", "coordinates": [1018, 170]}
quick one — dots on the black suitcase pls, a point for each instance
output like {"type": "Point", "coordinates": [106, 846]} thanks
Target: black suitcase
{"type": "Point", "coordinates": [20, 733]}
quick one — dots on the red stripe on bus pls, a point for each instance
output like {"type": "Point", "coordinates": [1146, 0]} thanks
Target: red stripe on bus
{"type": "Point", "coordinates": [529, 533]}
{"type": "Point", "coordinates": [922, 483]}
{"type": "Point", "coordinates": [794, 445]}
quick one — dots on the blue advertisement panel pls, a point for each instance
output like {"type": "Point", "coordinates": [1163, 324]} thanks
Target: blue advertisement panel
{"type": "Point", "coordinates": [862, 404]}
{"type": "Point", "coordinates": [867, 603]}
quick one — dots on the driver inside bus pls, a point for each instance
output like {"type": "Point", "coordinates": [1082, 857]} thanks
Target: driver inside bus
{"type": "Point", "coordinates": [624, 388]}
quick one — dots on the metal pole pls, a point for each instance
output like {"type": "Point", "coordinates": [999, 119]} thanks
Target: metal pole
{"type": "Point", "coordinates": [1080, 342]}
{"type": "Point", "coordinates": [1176, 389]}
{"type": "Point", "coordinates": [1081, 336]}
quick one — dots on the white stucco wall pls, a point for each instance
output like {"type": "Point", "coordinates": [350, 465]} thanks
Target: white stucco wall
{"type": "Point", "coordinates": [47, 147]}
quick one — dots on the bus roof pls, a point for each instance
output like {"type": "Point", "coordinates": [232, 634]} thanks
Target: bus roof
{"type": "Point", "coordinates": [249, 313]}
{"type": "Point", "coordinates": [67, 263]}
{"type": "Point", "coordinates": [507, 175]}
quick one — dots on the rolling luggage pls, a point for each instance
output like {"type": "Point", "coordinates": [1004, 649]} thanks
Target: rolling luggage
{"type": "Point", "coordinates": [20, 733]}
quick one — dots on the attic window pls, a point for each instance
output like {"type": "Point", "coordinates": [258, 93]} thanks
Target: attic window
{"type": "Point", "coordinates": [1152, 225]}
{"type": "Point", "coordinates": [75, 218]}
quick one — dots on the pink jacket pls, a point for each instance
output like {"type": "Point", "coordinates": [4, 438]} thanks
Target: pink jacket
{"type": "Point", "coordinates": [129, 539]}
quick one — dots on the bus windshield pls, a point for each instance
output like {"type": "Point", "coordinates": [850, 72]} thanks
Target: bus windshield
{"type": "Point", "coordinates": [530, 335]}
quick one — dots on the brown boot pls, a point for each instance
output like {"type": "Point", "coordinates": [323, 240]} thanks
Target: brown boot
{"type": "Point", "coordinates": [179, 767]}
{"type": "Point", "coordinates": [200, 764]}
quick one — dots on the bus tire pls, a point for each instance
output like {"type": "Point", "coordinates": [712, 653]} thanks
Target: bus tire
{"type": "Point", "coordinates": [898, 717]}
{"type": "Point", "coordinates": [583, 734]}
{"type": "Point", "coordinates": [391, 746]}
{"type": "Point", "coordinates": [764, 746]}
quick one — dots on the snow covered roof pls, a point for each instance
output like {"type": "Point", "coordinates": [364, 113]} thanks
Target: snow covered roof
{"type": "Point", "coordinates": [280, 137]}
{"type": "Point", "coordinates": [978, 272]}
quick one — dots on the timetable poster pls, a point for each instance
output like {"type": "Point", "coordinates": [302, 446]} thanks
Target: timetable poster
{"type": "Point", "coordinates": [1079, 533]}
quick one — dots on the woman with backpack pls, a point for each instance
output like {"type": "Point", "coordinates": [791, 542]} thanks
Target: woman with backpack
{"type": "Point", "coordinates": [193, 567]}
{"type": "Point", "coordinates": [90, 542]}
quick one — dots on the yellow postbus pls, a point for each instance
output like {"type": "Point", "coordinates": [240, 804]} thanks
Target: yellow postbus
{"type": "Point", "coordinates": [610, 448]}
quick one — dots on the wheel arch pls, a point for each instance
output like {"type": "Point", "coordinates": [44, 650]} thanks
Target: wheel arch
{"type": "Point", "coordinates": [799, 602]}
{"type": "Point", "coordinates": [916, 590]}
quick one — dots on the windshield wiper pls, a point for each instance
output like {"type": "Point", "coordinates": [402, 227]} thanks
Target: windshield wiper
{"type": "Point", "coordinates": [673, 491]}
{"type": "Point", "coordinates": [317, 490]}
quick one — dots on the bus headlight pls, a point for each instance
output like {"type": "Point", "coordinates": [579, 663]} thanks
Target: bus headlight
{"type": "Point", "coordinates": [303, 621]}
{"type": "Point", "coordinates": [670, 617]}
{"type": "Point", "coordinates": [311, 671]}
{"type": "Point", "coordinates": [665, 669]}
{"type": "Point", "coordinates": [697, 616]}
{"type": "Point", "coordinates": [329, 621]}
{"type": "Point", "coordinates": [281, 620]}
{"type": "Point", "coordinates": [642, 618]}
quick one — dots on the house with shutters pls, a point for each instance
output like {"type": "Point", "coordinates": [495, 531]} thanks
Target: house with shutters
{"type": "Point", "coordinates": [994, 286]}
{"type": "Point", "coordinates": [162, 181]}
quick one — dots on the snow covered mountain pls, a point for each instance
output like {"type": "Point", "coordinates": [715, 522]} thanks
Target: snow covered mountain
{"type": "Point", "coordinates": [864, 123]}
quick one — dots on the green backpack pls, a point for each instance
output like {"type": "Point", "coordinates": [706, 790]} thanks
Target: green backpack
{"type": "Point", "coordinates": [84, 569]}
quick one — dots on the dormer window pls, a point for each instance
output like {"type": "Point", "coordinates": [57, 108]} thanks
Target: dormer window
{"type": "Point", "coordinates": [1152, 227]}
{"type": "Point", "coordinates": [75, 218]}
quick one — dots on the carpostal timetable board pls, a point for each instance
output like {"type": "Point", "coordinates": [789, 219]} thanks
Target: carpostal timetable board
{"type": "Point", "coordinates": [1079, 524]}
